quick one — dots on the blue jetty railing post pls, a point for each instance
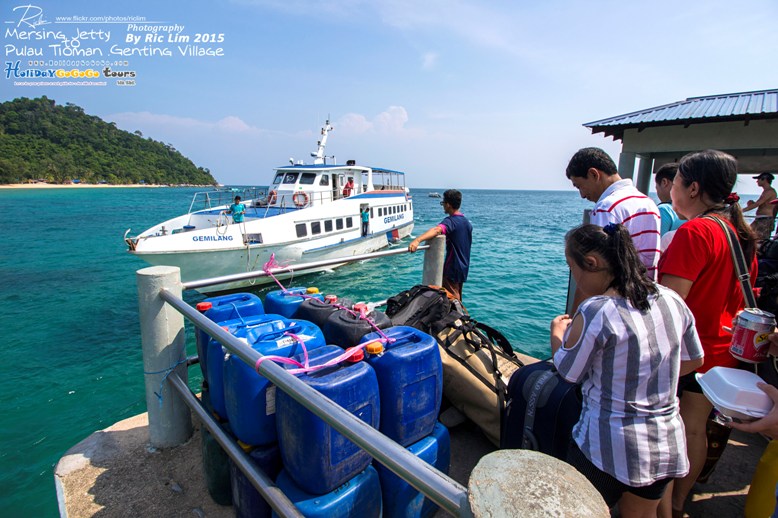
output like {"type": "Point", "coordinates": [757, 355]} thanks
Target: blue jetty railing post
{"type": "Point", "coordinates": [433, 261]}
{"type": "Point", "coordinates": [164, 351]}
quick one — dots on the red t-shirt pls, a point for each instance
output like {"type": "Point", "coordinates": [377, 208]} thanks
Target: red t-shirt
{"type": "Point", "coordinates": [699, 252]}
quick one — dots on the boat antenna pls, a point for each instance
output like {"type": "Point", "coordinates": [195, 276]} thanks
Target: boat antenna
{"type": "Point", "coordinates": [319, 156]}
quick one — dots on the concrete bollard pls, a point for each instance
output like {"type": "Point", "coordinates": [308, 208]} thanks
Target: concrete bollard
{"type": "Point", "coordinates": [433, 261]}
{"type": "Point", "coordinates": [530, 484]}
{"type": "Point", "coordinates": [164, 346]}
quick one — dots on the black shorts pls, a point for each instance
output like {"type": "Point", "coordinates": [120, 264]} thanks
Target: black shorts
{"type": "Point", "coordinates": [688, 383]}
{"type": "Point", "coordinates": [609, 487]}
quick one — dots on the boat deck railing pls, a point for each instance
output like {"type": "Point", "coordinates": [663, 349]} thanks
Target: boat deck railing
{"type": "Point", "coordinates": [205, 200]}
{"type": "Point", "coordinates": [162, 312]}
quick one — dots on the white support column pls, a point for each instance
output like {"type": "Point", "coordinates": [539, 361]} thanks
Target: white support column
{"type": "Point", "coordinates": [433, 261]}
{"type": "Point", "coordinates": [643, 180]}
{"type": "Point", "coordinates": [164, 348]}
{"type": "Point", "coordinates": [627, 165]}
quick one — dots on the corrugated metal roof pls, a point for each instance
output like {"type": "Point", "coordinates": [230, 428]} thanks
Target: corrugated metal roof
{"type": "Point", "coordinates": [713, 108]}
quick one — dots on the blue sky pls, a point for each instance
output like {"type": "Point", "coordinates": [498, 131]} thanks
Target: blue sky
{"type": "Point", "coordinates": [457, 93]}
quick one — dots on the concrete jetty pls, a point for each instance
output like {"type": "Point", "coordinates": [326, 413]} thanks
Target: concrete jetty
{"type": "Point", "coordinates": [114, 473]}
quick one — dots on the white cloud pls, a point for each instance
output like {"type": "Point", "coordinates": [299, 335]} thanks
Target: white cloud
{"type": "Point", "coordinates": [132, 120]}
{"type": "Point", "coordinates": [389, 122]}
{"type": "Point", "coordinates": [354, 124]}
{"type": "Point", "coordinates": [429, 60]}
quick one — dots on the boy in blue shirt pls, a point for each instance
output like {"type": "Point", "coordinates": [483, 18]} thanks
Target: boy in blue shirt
{"type": "Point", "coordinates": [237, 210]}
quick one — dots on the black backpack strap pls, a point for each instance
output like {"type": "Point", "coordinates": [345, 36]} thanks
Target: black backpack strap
{"type": "Point", "coordinates": [496, 337]}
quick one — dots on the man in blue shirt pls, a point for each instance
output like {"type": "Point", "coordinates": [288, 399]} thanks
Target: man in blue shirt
{"type": "Point", "coordinates": [237, 210]}
{"type": "Point", "coordinates": [459, 237]}
{"type": "Point", "coordinates": [664, 182]}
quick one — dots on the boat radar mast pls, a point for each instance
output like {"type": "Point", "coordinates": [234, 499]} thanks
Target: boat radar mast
{"type": "Point", "coordinates": [319, 156]}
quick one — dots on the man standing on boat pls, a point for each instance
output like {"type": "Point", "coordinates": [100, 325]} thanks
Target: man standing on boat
{"type": "Point", "coordinates": [348, 188]}
{"type": "Point", "coordinates": [616, 200]}
{"type": "Point", "coordinates": [459, 237]}
{"type": "Point", "coordinates": [237, 210]}
{"type": "Point", "coordinates": [764, 221]}
{"type": "Point", "coordinates": [365, 215]}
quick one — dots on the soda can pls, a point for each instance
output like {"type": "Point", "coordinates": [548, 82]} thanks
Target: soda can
{"type": "Point", "coordinates": [752, 327]}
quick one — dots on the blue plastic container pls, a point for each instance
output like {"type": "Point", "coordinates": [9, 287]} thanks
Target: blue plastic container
{"type": "Point", "coordinates": [224, 307]}
{"type": "Point", "coordinates": [286, 302]}
{"type": "Point", "coordinates": [239, 327]}
{"type": "Point", "coordinates": [410, 378]}
{"type": "Point", "coordinates": [401, 500]}
{"type": "Point", "coordinates": [316, 457]}
{"type": "Point", "coordinates": [246, 500]}
{"type": "Point", "coordinates": [249, 399]}
{"type": "Point", "coordinates": [358, 497]}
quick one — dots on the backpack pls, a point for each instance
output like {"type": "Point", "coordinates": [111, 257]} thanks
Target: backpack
{"type": "Point", "coordinates": [478, 361]}
{"type": "Point", "coordinates": [422, 307]}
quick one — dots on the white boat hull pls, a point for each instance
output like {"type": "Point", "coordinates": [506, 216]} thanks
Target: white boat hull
{"type": "Point", "coordinates": [208, 264]}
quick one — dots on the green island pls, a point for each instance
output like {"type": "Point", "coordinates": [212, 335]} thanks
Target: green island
{"type": "Point", "coordinates": [41, 141]}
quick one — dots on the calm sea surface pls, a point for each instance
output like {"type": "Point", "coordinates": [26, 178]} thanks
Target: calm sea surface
{"type": "Point", "coordinates": [70, 357]}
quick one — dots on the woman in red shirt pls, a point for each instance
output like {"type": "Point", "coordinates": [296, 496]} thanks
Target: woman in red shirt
{"type": "Point", "coordinates": [698, 265]}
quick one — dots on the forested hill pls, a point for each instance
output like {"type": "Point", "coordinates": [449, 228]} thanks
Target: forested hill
{"type": "Point", "coordinates": [59, 144]}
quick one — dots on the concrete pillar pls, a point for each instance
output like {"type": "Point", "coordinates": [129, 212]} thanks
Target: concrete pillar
{"type": "Point", "coordinates": [626, 165]}
{"type": "Point", "coordinates": [433, 261]}
{"type": "Point", "coordinates": [164, 348]}
{"type": "Point", "coordinates": [531, 484]}
{"type": "Point", "coordinates": [643, 180]}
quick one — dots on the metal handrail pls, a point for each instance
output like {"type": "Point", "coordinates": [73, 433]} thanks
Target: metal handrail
{"type": "Point", "coordinates": [259, 479]}
{"type": "Point", "coordinates": [441, 489]}
{"type": "Point", "coordinates": [200, 283]}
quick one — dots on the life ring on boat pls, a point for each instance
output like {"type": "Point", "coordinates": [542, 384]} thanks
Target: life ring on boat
{"type": "Point", "coordinates": [271, 197]}
{"type": "Point", "coordinates": [300, 199]}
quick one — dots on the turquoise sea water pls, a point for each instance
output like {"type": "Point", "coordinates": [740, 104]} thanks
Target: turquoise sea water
{"type": "Point", "coordinates": [70, 357]}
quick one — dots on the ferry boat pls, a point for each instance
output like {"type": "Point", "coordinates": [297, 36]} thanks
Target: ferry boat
{"type": "Point", "coordinates": [311, 212]}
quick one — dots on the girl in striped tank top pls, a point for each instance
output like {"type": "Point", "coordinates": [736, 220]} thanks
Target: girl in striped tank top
{"type": "Point", "coordinates": [627, 345]}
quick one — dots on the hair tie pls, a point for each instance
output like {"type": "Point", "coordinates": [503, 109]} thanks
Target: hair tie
{"type": "Point", "coordinates": [732, 198]}
{"type": "Point", "coordinates": [611, 228]}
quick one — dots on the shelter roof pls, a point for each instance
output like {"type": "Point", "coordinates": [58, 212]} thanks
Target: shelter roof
{"type": "Point", "coordinates": [745, 106]}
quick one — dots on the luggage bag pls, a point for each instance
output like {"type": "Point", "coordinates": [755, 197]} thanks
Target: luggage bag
{"type": "Point", "coordinates": [541, 410]}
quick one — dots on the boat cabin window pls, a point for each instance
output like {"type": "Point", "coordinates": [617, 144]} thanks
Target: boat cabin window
{"type": "Point", "coordinates": [278, 178]}
{"type": "Point", "coordinates": [349, 223]}
{"type": "Point", "coordinates": [325, 180]}
{"type": "Point", "coordinates": [290, 178]}
{"type": "Point", "coordinates": [339, 224]}
{"type": "Point", "coordinates": [371, 212]}
{"type": "Point", "coordinates": [328, 225]}
{"type": "Point", "coordinates": [307, 178]}
{"type": "Point", "coordinates": [380, 211]}
{"type": "Point", "coordinates": [315, 227]}
{"type": "Point", "coordinates": [302, 231]}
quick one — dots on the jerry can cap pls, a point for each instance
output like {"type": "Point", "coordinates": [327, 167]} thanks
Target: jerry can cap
{"type": "Point", "coordinates": [374, 347]}
{"type": "Point", "coordinates": [358, 356]}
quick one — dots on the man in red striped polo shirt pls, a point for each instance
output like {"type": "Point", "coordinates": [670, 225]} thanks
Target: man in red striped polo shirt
{"type": "Point", "coordinates": [616, 200]}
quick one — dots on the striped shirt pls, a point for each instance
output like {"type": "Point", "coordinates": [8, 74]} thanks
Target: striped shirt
{"type": "Point", "coordinates": [628, 364]}
{"type": "Point", "coordinates": [623, 203]}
